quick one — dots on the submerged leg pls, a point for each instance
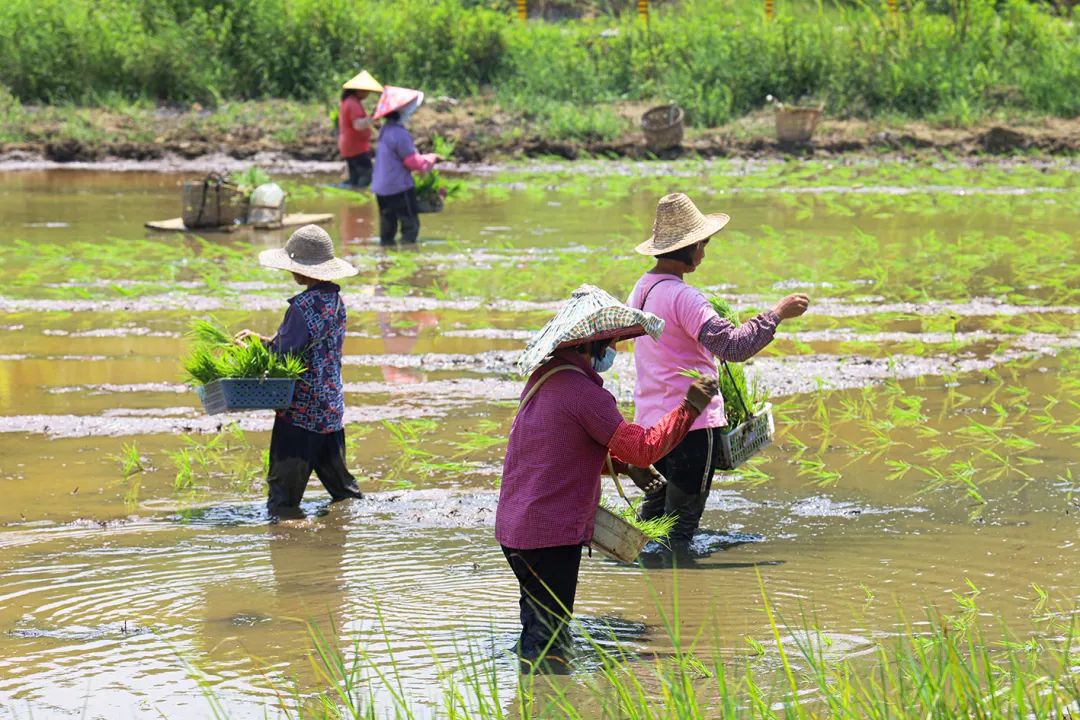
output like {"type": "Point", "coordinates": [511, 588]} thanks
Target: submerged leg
{"type": "Point", "coordinates": [548, 580]}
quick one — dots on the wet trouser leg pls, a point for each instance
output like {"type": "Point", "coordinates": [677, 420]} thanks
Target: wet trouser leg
{"type": "Point", "coordinates": [410, 229]}
{"type": "Point", "coordinates": [294, 453]}
{"type": "Point", "coordinates": [331, 469]}
{"type": "Point", "coordinates": [548, 580]}
{"type": "Point", "coordinates": [388, 220]}
{"type": "Point", "coordinates": [689, 469]}
{"type": "Point", "coordinates": [359, 169]}
{"type": "Point", "coordinates": [399, 208]}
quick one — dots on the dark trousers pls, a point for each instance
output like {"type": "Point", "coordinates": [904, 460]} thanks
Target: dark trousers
{"type": "Point", "coordinates": [294, 453]}
{"type": "Point", "coordinates": [399, 208]}
{"type": "Point", "coordinates": [548, 579]}
{"type": "Point", "coordinates": [359, 169]}
{"type": "Point", "coordinates": [689, 469]}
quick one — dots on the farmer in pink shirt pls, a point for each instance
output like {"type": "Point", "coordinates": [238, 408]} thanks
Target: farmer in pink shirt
{"type": "Point", "coordinates": [566, 426]}
{"type": "Point", "coordinates": [694, 337]}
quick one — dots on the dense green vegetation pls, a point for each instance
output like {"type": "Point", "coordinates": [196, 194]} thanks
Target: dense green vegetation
{"type": "Point", "coordinates": [719, 58]}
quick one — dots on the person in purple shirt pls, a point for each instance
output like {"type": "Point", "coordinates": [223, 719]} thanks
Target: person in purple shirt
{"type": "Point", "coordinates": [309, 434]}
{"type": "Point", "coordinates": [566, 427]}
{"type": "Point", "coordinates": [396, 159]}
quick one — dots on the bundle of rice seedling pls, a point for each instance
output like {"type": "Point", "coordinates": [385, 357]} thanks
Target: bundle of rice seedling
{"type": "Point", "coordinates": [656, 529]}
{"type": "Point", "coordinates": [216, 356]}
{"type": "Point", "coordinates": [732, 381]}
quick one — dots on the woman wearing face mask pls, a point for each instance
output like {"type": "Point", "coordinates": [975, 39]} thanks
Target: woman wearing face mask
{"type": "Point", "coordinates": [396, 159]}
{"type": "Point", "coordinates": [566, 426]}
{"type": "Point", "coordinates": [694, 337]}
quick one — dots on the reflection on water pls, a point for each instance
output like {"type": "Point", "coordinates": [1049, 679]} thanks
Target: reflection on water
{"type": "Point", "coordinates": [121, 595]}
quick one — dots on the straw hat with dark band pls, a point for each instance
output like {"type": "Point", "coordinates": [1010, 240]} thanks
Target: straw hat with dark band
{"type": "Point", "coordinates": [309, 252]}
{"type": "Point", "coordinates": [590, 314]}
{"type": "Point", "coordinates": [679, 223]}
{"type": "Point", "coordinates": [363, 81]}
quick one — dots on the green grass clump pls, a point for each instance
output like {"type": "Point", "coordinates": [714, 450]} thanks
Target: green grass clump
{"type": "Point", "coordinates": [946, 667]}
{"type": "Point", "coordinates": [216, 356]}
{"type": "Point", "coordinates": [249, 178]}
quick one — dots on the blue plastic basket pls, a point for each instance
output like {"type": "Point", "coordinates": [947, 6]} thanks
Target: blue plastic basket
{"type": "Point", "coordinates": [246, 394]}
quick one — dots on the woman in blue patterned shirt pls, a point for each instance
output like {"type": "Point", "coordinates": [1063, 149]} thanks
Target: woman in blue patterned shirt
{"type": "Point", "coordinates": [309, 434]}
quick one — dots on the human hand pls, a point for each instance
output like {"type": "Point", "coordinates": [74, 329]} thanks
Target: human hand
{"type": "Point", "coordinates": [244, 334]}
{"type": "Point", "coordinates": [648, 480]}
{"type": "Point", "coordinates": [701, 393]}
{"type": "Point", "coordinates": [792, 306]}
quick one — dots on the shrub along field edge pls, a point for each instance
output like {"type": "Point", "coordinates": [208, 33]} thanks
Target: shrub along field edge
{"type": "Point", "coordinates": [954, 60]}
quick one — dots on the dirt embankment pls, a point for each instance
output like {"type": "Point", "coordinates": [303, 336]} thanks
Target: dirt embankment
{"type": "Point", "coordinates": [483, 132]}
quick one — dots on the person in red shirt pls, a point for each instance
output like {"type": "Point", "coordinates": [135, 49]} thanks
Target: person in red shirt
{"type": "Point", "coordinates": [354, 129]}
{"type": "Point", "coordinates": [566, 426]}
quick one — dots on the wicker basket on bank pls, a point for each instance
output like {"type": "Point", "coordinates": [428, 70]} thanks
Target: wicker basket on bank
{"type": "Point", "coordinates": [663, 127]}
{"type": "Point", "coordinates": [796, 124]}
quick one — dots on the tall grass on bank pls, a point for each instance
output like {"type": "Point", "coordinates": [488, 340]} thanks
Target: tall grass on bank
{"type": "Point", "coordinates": [947, 668]}
{"type": "Point", "coordinates": [718, 58]}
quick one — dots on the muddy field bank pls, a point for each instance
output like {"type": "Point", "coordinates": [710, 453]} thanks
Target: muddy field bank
{"type": "Point", "coordinates": [288, 131]}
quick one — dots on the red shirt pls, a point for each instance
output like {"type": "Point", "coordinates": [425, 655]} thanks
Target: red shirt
{"type": "Point", "coordinates": [350, 141]}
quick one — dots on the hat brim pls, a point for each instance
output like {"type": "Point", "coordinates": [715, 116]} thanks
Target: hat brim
{"type": "Point", "coordinates": [333, 269]}
{"type": "Point", "coordinates": [619, 334]}
{"type": "Point", "coordinates": [713, 224]}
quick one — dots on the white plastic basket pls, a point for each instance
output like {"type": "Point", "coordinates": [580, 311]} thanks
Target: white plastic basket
{"type": "Point", "coordinates": [741, 442]}
{"type": "Point", "coordinates": [615, 537]}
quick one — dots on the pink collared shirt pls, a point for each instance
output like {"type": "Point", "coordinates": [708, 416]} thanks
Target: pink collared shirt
{"type": "Point", "coordinates": [682, 346]}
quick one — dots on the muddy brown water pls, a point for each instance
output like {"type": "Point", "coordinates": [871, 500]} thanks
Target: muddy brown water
{"type": "Point", "coordinates": [119, 593]}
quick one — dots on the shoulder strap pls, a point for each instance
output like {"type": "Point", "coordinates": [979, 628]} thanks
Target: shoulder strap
{"type": "Point", "coordinates": [641, 306]}
{"type": "Point", "coordinates": [543, 379]}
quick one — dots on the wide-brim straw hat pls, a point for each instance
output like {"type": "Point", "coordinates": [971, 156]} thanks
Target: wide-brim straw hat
{"type": "Point", "coordinates": [590, 314]}
{"type": "Point", "coordinates": [364, 81]}
{"type": "Point", "coordinates": [394, 99]}
{"type": "Point", "coordinates": [679, 223]}
{"type": "Point", "coordinates": [309, 252]}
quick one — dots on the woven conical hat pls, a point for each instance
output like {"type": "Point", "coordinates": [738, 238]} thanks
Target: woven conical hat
{"type": "Point", "coordinates": [363, 81]}
{"type": "Point", "coordinates": [590, 314]}
{"type": "Point", "coordinates": [395, 98]}
{"type": "Point", "coordinates": [679, 223]}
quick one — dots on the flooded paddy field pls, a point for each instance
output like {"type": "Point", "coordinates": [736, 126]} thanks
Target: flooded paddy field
{"type": "Point", "coordinates": [928, 417]}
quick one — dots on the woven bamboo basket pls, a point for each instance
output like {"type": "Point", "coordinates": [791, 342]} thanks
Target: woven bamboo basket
{"type": "Point", "coordinates": [213, 202]}
{"type": "Point", "coordinates": [796, 124]}
{"type": "Point", "coordinates": [663, 127]}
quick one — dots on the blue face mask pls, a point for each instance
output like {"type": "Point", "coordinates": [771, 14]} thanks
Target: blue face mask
{"type": "Point", "coordinates": [603, 364]}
